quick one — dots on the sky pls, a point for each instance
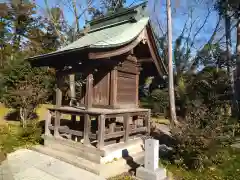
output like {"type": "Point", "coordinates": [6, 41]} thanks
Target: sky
{"type": "Point", "coordinates": [68, 11]}
{"type": "Point", "coordinates": [183, 11]}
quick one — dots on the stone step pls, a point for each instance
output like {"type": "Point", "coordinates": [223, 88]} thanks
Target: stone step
{"type": "Point", "coordinates": [73, 151]}
{"type": "Point", "coordinates": [107, 154]}
{"type": "Point", "coordinates": [71, 159]}
{"type": "Point", "coordinates": [105, 170]}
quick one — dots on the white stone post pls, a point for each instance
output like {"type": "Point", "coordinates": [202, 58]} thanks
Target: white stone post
{"type": "Point", "coordinates": [151, 171]}
{"type": "Point", "coordinates": [151, 154]}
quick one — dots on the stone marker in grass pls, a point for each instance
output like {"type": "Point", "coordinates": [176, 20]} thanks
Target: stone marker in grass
{"type": "Point", "coordinates": [151, 170]}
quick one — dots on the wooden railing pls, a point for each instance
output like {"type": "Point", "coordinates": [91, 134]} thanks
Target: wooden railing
{"type": "Point", "coordinates": [106, 125]}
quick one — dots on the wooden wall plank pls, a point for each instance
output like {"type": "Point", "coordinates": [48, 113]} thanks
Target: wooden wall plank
{"type": "Point", "coordinates": [126, 89]}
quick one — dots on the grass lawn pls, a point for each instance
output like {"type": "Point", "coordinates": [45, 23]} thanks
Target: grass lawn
{"type": "Point", "coordinates": [124, 176]}
{"type": "Point", "coordinates": [13, 137]}
{"type": "Point", "coordinates": [161, 120]}
{"type": "Point", "coordinates": [41, 111]}
{"type": "Point", "coordinates": [227, 168]}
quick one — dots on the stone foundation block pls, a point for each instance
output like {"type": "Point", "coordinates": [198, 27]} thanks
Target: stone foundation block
{"type": "Point", "coordinates": [145, 174]}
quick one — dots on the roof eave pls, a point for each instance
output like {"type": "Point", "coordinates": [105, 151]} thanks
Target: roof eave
{"type": "Point", "coordinates": [54, 54]}
{"type": "Point", "coordinates": [162, 69]}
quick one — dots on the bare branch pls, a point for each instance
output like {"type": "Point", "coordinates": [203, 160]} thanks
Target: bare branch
{"type": "Point", "coordinates": [201, 27]}
{"type": "Point", "coordinates": [223, 36]}
{"type": "Point", "coordinates": [215, 31]}
{"type": "Point", "coordinates": [190, 30]}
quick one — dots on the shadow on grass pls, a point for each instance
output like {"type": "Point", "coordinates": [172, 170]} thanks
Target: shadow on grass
{"type": "Point", "coordinates": [14, 116]}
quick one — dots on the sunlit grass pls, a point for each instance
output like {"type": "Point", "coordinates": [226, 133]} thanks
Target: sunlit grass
{"type": "Point", "coordinates": [228, 168]}
{"type": "Point", "coordinates": [161, 120]}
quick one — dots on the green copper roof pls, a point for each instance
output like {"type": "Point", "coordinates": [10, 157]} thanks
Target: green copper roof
{"type": "Point", "coordinates": [110, 37]}
{"type": "Point", "coordinates": [110, 32]}
{"type": "Point", "coordinates": [135, 12]}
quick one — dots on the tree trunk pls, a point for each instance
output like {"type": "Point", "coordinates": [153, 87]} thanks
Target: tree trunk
{"type": "Point", "coordinates": [23, 117]}
{"type": "Point", "coordinates": [76, 15]}
{"type": "Point", "coordinates": [170, 66]}
{"type": "Point", "coordinates": [238, 55]}
{"type": "Point", "coordinates": [72, 76]}
{"type": "Point", "coordinates": [229, 60]}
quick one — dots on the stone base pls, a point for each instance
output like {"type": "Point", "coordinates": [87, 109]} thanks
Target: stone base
{"type": "Point", "coordinates": [120, 150]}
{"type": "Point", "coordinates": [105, 170]}
{"type": "Point", "coordinates": [108, 154]}
{"type": "Point", "coordinates": [145, 174]}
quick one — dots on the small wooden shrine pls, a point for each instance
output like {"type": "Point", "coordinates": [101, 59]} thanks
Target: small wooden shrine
{"type": "Point", "coordinates": [111, 54]}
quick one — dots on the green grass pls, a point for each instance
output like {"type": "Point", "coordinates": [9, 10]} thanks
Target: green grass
{"type": "Point", "coordinates": [124, 176]}
{"type": "Point", "coordinates": [13, 137]}
{"type": "Point", "coordinates": [161, 120]}
{"type": "Point", "coordinates": [227, 168]}
{"type": "Point", "coordinates": [41, 113]}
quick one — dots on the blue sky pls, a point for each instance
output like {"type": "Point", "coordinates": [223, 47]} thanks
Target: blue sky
{"type": "Point", "coordinates": [181, 12]}
{"type": "Point", "coordinates": [68, 11]}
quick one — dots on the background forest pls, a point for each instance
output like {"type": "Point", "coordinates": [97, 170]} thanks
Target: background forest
{"type": "Point", "coordinates": [206, 51]}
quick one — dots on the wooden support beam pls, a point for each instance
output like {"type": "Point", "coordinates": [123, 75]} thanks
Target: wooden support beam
{"type": "Point", "coordinates": [66, 130]}
{"type": "Point", "coordinates": [112, 125]}
{"type": "Point", "coordinates": [101, 131]}
{"type": "Point", "coordinates": [58, 103]}
{"type": "Point", "coordinates": [147, 120]}
{"type": "Point", "coordinates": [138, 130]}
{"type": "Point", "coordinates": [47, 123]}
{"type": "Point", "coordinates": [137, 90]}
{"type": "Point", "coordinates": [114, 135]}
{"type": "Point", "coordinates": [122, 133]}
{"type": "Point", "coordinates": [59, 90]}
{"type": "Point", "coordinates": [126, 118]}
{"type": "Point", "coordinates": [87, 127]}
{"type": "Point", "coordinates": [134, 121]}
{"type": "Point", "coordinates": [113, 88]}
{"type": "Point", "coordinates": [89, 91]}
{"type": "Point", "coordinates": [72, 87]}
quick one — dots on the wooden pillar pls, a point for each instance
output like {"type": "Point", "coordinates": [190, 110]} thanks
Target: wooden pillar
{"type": "Point", "coordinates": [72, 88]}
{"type": "Point", "coordinates": [101, 131]}
{"type": "Point", "coordinates": [47, 122]}
{"type": "Point", "coordinates": [134, 121]}
{"type": "Point", "coordinates": [87, 126]}
{"type": "Point", "coordinates": [113, 88]}
{"type": "Point", "coordinates": [137, 90]}
{"type": "Point", "coordinates": [58, 103]}
{"type": "Point", "coordinates": [89, 91]}
{"type": "Point", "coordinates": [126, 119]}
{"type": "Point", "coordinates": [147, 120]}
{"type": "Point", "coordinates": [112, 125]}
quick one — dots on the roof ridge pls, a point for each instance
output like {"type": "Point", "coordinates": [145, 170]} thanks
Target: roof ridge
{"type": "Point", "coordinates": [111, 25]}
{"type": "Point", "coordinates": [117, 14]}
